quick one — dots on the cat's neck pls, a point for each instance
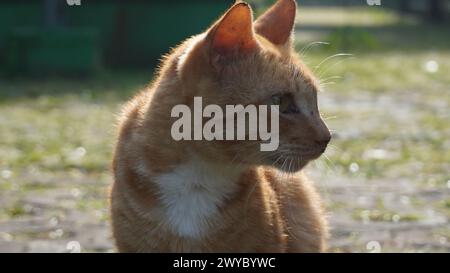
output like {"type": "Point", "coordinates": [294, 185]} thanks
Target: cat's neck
{"type": "Point", "coordinates": [193, 192]}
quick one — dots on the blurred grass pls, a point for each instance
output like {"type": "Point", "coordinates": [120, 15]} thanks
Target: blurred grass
{"type": "Point", "coordinates": [57, 131]}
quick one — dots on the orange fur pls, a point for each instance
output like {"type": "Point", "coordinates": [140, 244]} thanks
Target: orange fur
{"type": "Point", "coordinates": [221, 196]}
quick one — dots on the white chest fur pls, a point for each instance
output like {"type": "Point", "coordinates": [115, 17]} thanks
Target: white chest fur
{"type": "Point", "coordinates": [192, 194]}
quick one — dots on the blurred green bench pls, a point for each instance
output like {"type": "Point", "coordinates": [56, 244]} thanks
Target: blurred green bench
{"type": "Point", "coordinates": [112, 33]}
{"type": "Point", "coordinates": [41, 51]}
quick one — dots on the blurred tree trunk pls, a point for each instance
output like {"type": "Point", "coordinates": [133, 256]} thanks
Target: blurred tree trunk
{"type": "Point", "coordinates": [405, 6]}
{"type": "Point", "coordinates": [53, 13]}
{"type": "Point", "coordinates": [436, 11]}
{"type": "Point", "coordinates": [120, 46]}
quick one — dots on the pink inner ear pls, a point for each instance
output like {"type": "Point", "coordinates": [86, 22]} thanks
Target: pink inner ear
{"type": "Point", "coordinates": [277, 23]}
{"type": "Point", "coordinates": [234, 33]}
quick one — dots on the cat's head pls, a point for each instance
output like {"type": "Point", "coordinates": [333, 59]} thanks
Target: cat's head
{"type": "Point", "coordinates": [241, 61]}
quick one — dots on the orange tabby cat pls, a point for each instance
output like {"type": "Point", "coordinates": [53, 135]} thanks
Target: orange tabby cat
{"type": "Point", "coordinates": [223, 196]}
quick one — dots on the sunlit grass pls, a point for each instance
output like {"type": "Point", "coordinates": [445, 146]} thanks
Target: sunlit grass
{"type": "Point", "coordinates": [349, 16]}
{"type": "Point", "coordinates": [383, 216]}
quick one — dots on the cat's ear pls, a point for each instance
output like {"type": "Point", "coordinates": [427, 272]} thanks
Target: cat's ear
{"type": "Point", "coordinates": [233, 34]}
{"type": "Point", "coordinates": [277, 24]}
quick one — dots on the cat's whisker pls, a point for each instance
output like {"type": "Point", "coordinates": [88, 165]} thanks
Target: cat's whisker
{"type": "Point", "coordinates": [329, 118]}
{"type": "Point", "coordinates": [333, 167]}
{"type": "Point", "coordinates": [262, 158]}
{"type": "Point", "coordinates": [291, 167]}
{"type": "Point", "coordinates": [282, 173]}
{"type": "Point", "coordinates": [244, 145]}
{"type": "Point", "coordinates": [323, 81]}
{"type": "Point", "coordinates": [276, 161]}
{"type": "Point", "coordinates": [309, 46]}
{"type": "Point", "coordinates": [316, 163]}
{"type": "Point", "coordinates": [327, 83]}
{"type": "Point", "coordinates": [324, 71]}
{"type": "Point", "coordinates": [325, 181]}
{"type": "Point", "coordinates": [334, 147]}
{"type": "Point", "coordinates": [234, 160]}
{"type": "Point", "coordinates": [330, 58]}
{"type": "Point", "coordinates": [334, 134]}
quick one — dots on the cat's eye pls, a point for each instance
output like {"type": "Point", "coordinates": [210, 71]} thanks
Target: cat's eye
{"type": "Point", "coordinates": [286, 103]}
